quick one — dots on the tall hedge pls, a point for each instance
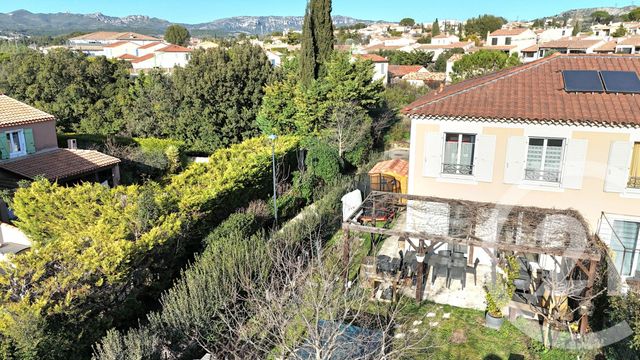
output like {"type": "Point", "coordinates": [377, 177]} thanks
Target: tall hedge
{"type": "Point", "coordinates": [100, 256]}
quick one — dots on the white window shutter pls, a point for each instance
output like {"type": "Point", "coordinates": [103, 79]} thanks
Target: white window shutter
{"type": "Point", "coordinates": [484, 157]}
{"type": "Point", "coordinates": [516, 159]}
{"type": "Point", "coordinates": [618, 168]}
{"type": "Point", "coordinates": [433, 155]}
{"type": "Point", "coordinates": [574, 163]}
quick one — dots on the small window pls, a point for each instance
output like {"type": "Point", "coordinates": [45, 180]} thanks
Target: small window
{"type": "Point", "coordinates": [544, 159]}
{"type": "Point", "coordinates": [494, 41]}
{"type": "Point", "coordinates": [624, 242]}
{"type": "Point", "coordinates": [458, 154]}
{"type": "Point", "coordinates": [16, 143]}
{"type": "Point", "coordinates": [634, 176]}
{"type": "Point", "coordinates": [507, 41]}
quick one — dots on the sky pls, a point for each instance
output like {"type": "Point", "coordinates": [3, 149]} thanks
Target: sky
{"type": "Point", "coordinates": [198, 11]}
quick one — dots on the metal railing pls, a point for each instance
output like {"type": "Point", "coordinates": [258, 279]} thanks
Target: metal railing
{"type": "Point", "coordinates": [542, 175]}
{"type": "Point", "coordinates": [634, 182]}
{"type": "Point", "coordinates": [457, 169]}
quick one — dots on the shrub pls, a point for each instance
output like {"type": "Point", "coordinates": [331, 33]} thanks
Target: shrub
{"type": "Point", "coordinates": [323, 161]}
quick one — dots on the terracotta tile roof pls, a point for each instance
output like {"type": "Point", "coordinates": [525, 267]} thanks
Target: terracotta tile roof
{"type": "Point", "coordinates": [396, 166]}
{"type": "Point", "coordinates": [508, 32]}
{"type": "Point", "coordinates": [426, 76]}
{"type": "Point", "coordinates": [143, 58]}
{"type": "Point", "coordinates": [111, 35]}
{"type": "Point", "coordinates": [570, 43]}
{"type": "Point", "coordinates": [382, 47]}
{"type": "Point", "coordinates": [499, 47]}
{"type": "Point", "coordinates": [116, 44]}
{"type": "Point", "coordinates": [532, 48]}
{"type": "Point", "coordinates": [174, 48]}
{"type": "Point", "coordinates": [149, 45]}
{"type": "Point", "coordinates": [59, 164]}
{"type": "Point", "coordinates": [402, 70]}
{"type": "Point", "coordinates": [127, 57]}
{"type": "Point", "coordinates": [459, 44]}
{"type": "Point", "coordinates": [14, 113]}
{"type": "Point", "coordinates": [373, 57]}
{"type": "Point", "coordinates": [442, 36]}
{"type": "Point", "coordinates": [608, 47]}
{"type": "Point", "coordinates": [633, 40]}
{"type": "Point", "coordinates": [535, 92]}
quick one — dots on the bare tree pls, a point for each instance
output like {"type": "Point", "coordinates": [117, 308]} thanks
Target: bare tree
{"type": "Point", "coordinates": [349, 125]}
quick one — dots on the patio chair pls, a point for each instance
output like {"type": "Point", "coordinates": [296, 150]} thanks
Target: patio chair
{"type": "Point", "coordinates": [474, 270]}
{"type": "Point", "coordinates": [440, 266]}
{"type": "Point", "coordinates": [458, 271]}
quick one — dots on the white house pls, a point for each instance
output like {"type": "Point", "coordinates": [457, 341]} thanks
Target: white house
{"type": "Point", "coordinates": [94, 43]}
{"type": "Point", "coordinates": [630, 45]}
{"type": "Point", "coordinates": [554, 34]}
{"type": "Point", "coordinates": [381, 66]}
{"type": "Point", "coordinates": [444, 39]}
{"type": "Point", "coordinates": [275, 58]}
{"type": "Point", "coordinates": [117, 49]}
{"type": "Point", "coordinates": [511, 41]}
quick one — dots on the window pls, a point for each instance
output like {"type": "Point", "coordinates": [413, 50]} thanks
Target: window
{"type": "Point", "coordinates": [507, 41]}
{"type": "Point", "coordinates": [634, 176]}
{"type": "Point", "coordinates": [458, 154]}
{"type": "Point", "coordinates": [494, 41]}
{"type": "Point", "coordinates": [544, 159]}
{"type": "Point", "coordinates": [16, 143]}
{"type": "Point", "coordinates": [624, 242]}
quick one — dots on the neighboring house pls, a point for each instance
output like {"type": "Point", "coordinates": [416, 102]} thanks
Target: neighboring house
{"type": "Point", "coordinates": [381, 66]}
{"type": "Point", "coordinates": [538, 136]}
{"type": "Point", "coordinates": [437, 50]}
{"type": "Point", "coordinates": [94, 43]}
{"type": "Point", "coordinates": [120, 48]}
{"type": "Point", "coordinates": [452, 60]}
{"type": "Point", "coordinates": [554, 34]}
{"type": "Point", "coordinates": [29, 149]}
{"type": "Point", "coordinates": [275, 58]}
{"type": "Point", "coordinates": [444, 39]}
{"type": "Point", "coordinates": [568, 45]}
{"type": "Point", "coordinates": [158, 55]}
{"type": "Point", "coordinates": [396, 72]}
{"type": "Point", "coordinates": [415, 75]}
{"type": "Point", "coordinates": [510, 41]}
{"type": "Point", "coordinates": [630, 45]}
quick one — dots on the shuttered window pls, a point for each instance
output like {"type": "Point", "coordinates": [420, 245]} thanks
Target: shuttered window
{"type": "Point", "coordinates": [458, 154]}
{"type": "Point", "coordinates": [634, 176]}
{"type": "Point", "coordinates": [623, 243]}
{"type": "Point", "coordinates": [16, 143]}
{"type": "Point", "coordinates": [544, 159]}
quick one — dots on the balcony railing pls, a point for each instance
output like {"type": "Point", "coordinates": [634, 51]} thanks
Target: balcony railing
{"type": "Point", "coordinates": [542, 175]}
{"type": "Point", "coordinates": [634, 182]}
{"type": "Point", "coordinates": [457, 169]}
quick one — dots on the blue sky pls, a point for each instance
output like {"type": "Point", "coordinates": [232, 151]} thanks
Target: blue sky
{"type": "Point", "coordinates": [196, 11]}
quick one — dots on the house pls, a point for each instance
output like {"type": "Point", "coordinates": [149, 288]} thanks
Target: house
{"type": "Point", "coordinates": [510, 41]}
{"type": "Point", "coordinates": [396, 72]}
{"type": "Point", "coordinates": [416, 75]}
{"type": "Point", "coordinates": [93, 44]}
{"type": "Point", "coordinates": [554, 34]}
{"type": "Point", "coordinates": [161, 56]}
{"type": "Point", "coordinates": [567, 45]}
{"type": "Point", "coordinates": [381, 66]}
{"type": "Point", "coordinates": [444, 39]}
{"type": "Point", "coordinates": [275, 58]}
{"type": "Point", "coordinates": [117, 49]}
{"type": "Point", "coordinates": [630, 45]}
{"type": "Point", "coordinates": [449, 69]}
{"type": "Point", "coordinates": [557, 134]}
{"type": "Point", "coordinates": [437, 50]}
{"type": "Point", "coordinates": [29, 149]}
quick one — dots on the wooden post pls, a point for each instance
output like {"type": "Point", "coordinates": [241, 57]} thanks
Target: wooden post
{"type": "Point", "coordinates": [584, 321]}
{"type": "Point", "coordinates": [420, 275]}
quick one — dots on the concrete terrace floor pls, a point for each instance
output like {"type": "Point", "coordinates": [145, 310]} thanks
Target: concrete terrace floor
{"type": "Point", "coordinates": [472, 297]}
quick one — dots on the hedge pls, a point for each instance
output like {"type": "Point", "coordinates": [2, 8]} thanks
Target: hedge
{"type": "Point", "coordinates": [100, 256]}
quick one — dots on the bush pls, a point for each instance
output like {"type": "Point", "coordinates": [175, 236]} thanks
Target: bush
{"type": "Point", "coordinates": [323, 161]}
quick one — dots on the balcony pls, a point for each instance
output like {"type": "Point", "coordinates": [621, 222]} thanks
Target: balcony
{"type": "Point", "coordinates": [457, 169]}
{"type": "Point", "coordinates": [542, 175]}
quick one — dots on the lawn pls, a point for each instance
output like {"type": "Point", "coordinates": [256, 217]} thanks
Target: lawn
{"type": "Point", "coordinates": [464, 336]}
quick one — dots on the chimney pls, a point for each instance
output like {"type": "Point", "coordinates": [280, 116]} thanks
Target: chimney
{"type": "Point", "coordinates": [72, 144]}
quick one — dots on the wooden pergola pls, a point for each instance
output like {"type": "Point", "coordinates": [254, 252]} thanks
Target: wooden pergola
{"type": "Point", "coordinates": [519, 234]}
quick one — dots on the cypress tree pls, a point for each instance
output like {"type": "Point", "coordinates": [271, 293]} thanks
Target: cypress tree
{"type": "Point", "coordinates": [317, 39]}
{"type": "Point", "coordinates": [308, 53]}
{"type": "Point", "coordinates": [323, 33]}
{"type": "Point", "coordinates": [435, 28]}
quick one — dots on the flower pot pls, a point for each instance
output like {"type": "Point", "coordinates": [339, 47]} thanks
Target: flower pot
{"type": "Point", "coordinates": [493, 322]}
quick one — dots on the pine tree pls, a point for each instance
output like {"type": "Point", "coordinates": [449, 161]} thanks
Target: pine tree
{"type": "Point", "coordinates": [435, 28]}
{"type": "Point", "coordinates": [576, 29]}
{"type": "Point", "coordinates": [308, 60]}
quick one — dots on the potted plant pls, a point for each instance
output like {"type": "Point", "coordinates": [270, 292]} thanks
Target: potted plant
{"type": "Point", "coordinates": [498, 294]}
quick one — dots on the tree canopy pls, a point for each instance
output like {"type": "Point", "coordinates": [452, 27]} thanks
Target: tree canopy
{"type": "Point", "coordinates": [601, 17]}
{"type": "Point", "coordinates": [407, 22]}
{"type": "Point", "coordinates": [481, 63]}
{"type": "Point", "coordinates": [178, 35]}
{"type": "Point", "coordinates": [633, 15]}
{"type": "Point", "coordinates": [435, 28]}
{"type": "Point", "coordinates": [416, 57]}
{"type": "Point", "coordinates": [484, 24]}
{"type": "Point", "coordinates": [317, 39]}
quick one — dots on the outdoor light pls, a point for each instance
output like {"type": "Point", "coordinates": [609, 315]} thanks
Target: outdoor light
{"type": "Point", "coordinates": [273, 138]}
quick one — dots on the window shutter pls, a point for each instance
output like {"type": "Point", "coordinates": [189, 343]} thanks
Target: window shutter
{"type": "Point", "coordinates": [4, 146]}
{"type": "Point", "coordinates": [29, 142]}
{"type": "Point", "coordinates": [433, 155]}
{"type": "Point", "coordinates": [574, 163]}
{"type": "Point", "coordinates": [618, 168]}
{"type": "Point", "coordinates": [484, 158]}
{"type": "Point", "coordinates": [516, 158]}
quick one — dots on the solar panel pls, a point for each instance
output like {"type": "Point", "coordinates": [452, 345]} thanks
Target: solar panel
{"type": "Point", "coordinates": [625, 82]}
{"type": "Point", "coordinates": [582, 81]}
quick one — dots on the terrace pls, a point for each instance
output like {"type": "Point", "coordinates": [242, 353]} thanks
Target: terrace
{"type": "Point", "coordinates": [444, 250]}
